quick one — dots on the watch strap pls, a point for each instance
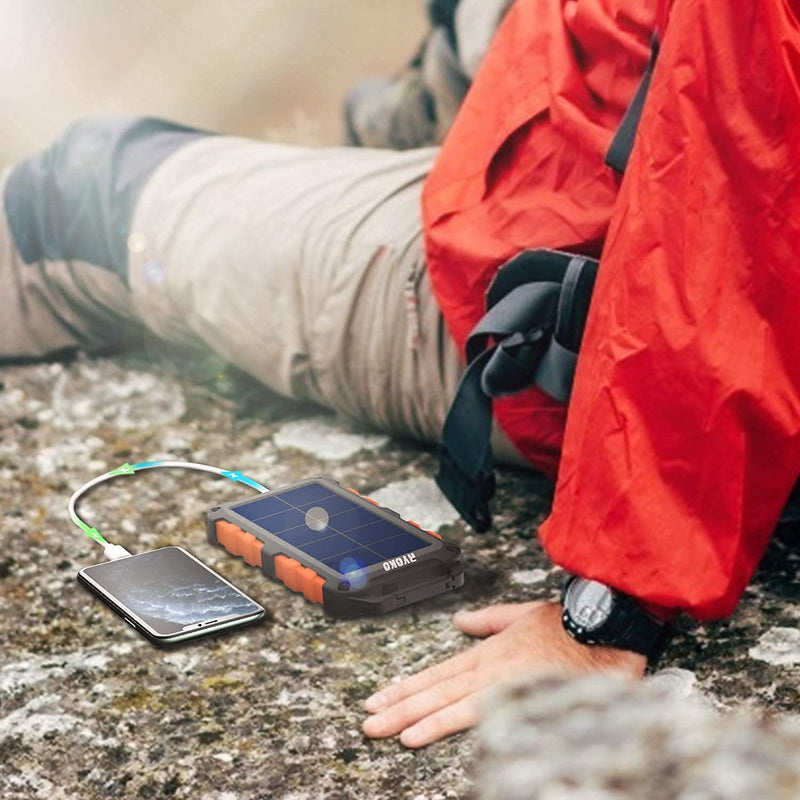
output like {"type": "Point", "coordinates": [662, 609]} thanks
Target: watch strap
{"type": "Point", "coordinates": [630, 627]}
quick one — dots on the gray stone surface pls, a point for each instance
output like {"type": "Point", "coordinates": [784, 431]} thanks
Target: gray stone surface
{"type": "Point", "coordinates": [89, 710]}
{"type": "Point", "coordinates": [599, 738]}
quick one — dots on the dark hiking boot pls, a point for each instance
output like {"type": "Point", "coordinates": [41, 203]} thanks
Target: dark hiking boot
{"type": "Point", "coordinates": [396, 113]}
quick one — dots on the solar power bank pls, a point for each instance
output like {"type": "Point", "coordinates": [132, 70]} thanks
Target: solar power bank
{"type": "Point", "coordinates": [338, 548]}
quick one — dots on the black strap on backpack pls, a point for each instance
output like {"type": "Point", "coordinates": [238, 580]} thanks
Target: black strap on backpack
{"type": "Point", "coordinates": [622, 143]}
{"type": "Point", "coordinates": [536, 312]}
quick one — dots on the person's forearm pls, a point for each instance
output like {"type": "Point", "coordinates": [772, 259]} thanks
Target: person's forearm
{"type": "Point", "coordinates": [683, 442]}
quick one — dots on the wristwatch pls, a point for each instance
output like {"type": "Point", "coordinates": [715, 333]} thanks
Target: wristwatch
{"type": "Point", "coordinates": [597, 614]}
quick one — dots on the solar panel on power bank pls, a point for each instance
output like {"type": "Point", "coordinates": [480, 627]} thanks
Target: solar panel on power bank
{"type": "Point", "coordinates": [338, 548]}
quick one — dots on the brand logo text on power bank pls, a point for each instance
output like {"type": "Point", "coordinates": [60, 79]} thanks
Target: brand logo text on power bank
{"type": "Point", "coordinates": [400, 561]}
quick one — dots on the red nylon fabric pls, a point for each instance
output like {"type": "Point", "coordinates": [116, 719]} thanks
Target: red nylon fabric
{"type": "Point", "coordinates": [683, 437]}
{"type": "Point", "coordinates": [522, 166]}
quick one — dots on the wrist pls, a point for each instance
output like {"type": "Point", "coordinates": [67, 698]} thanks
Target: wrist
{"type": "Point", "coordinates": [594, 657]}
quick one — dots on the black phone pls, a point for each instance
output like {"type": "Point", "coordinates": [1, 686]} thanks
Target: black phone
{"type": "Point", "coordinates": [168, 595]}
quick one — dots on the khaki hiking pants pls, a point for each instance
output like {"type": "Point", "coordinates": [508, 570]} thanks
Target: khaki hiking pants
{"type": "Point", "coordinates": [302, 266]}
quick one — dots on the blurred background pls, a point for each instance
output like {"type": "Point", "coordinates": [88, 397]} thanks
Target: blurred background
{"type": "Point", "coordinates": [270, 69]}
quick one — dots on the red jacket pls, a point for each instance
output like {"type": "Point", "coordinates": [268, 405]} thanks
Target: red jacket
{"type": "Point", "coordinates": [683, 438]}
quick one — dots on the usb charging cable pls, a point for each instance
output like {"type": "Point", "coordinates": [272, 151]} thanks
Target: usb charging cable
{"type": "Point", "coordinates": [115, 551]}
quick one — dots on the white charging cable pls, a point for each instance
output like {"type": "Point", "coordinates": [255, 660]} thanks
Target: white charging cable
{"type": "Point", "coordinates": [115, 551]}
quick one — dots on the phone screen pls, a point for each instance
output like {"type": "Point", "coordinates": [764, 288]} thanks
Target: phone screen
{"type": "Point", "coordinates": [170, 592]}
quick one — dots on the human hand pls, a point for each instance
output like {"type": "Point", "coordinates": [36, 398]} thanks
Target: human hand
{"type": "Point", "coordinates": [520, 638]}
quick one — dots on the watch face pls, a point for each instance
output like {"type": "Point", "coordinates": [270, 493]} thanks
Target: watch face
{"type": "Point", "coordinates": [589, 603]}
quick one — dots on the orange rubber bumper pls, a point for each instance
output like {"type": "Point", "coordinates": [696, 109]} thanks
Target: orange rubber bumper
{"type": "Point", "coordinates": [299, 578]}
{"type": "Point", "coordinates": [239, 542]}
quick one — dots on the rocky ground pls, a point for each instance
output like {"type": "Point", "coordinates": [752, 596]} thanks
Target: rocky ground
{"type": "Point", "coordinates": [599, 738]}
{"type": "Point", "coordinates": [89, 710]}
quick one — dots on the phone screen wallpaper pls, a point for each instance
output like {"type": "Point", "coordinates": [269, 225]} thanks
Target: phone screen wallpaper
{"type": "Point", "coordinates": [169, 590]}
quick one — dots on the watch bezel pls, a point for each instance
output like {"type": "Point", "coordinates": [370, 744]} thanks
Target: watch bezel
{"type": "Point", "coordinates": [584, 633]}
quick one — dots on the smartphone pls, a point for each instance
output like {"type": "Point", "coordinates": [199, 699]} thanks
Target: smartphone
{"type": "Point", "coordinates": [170, 596]}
